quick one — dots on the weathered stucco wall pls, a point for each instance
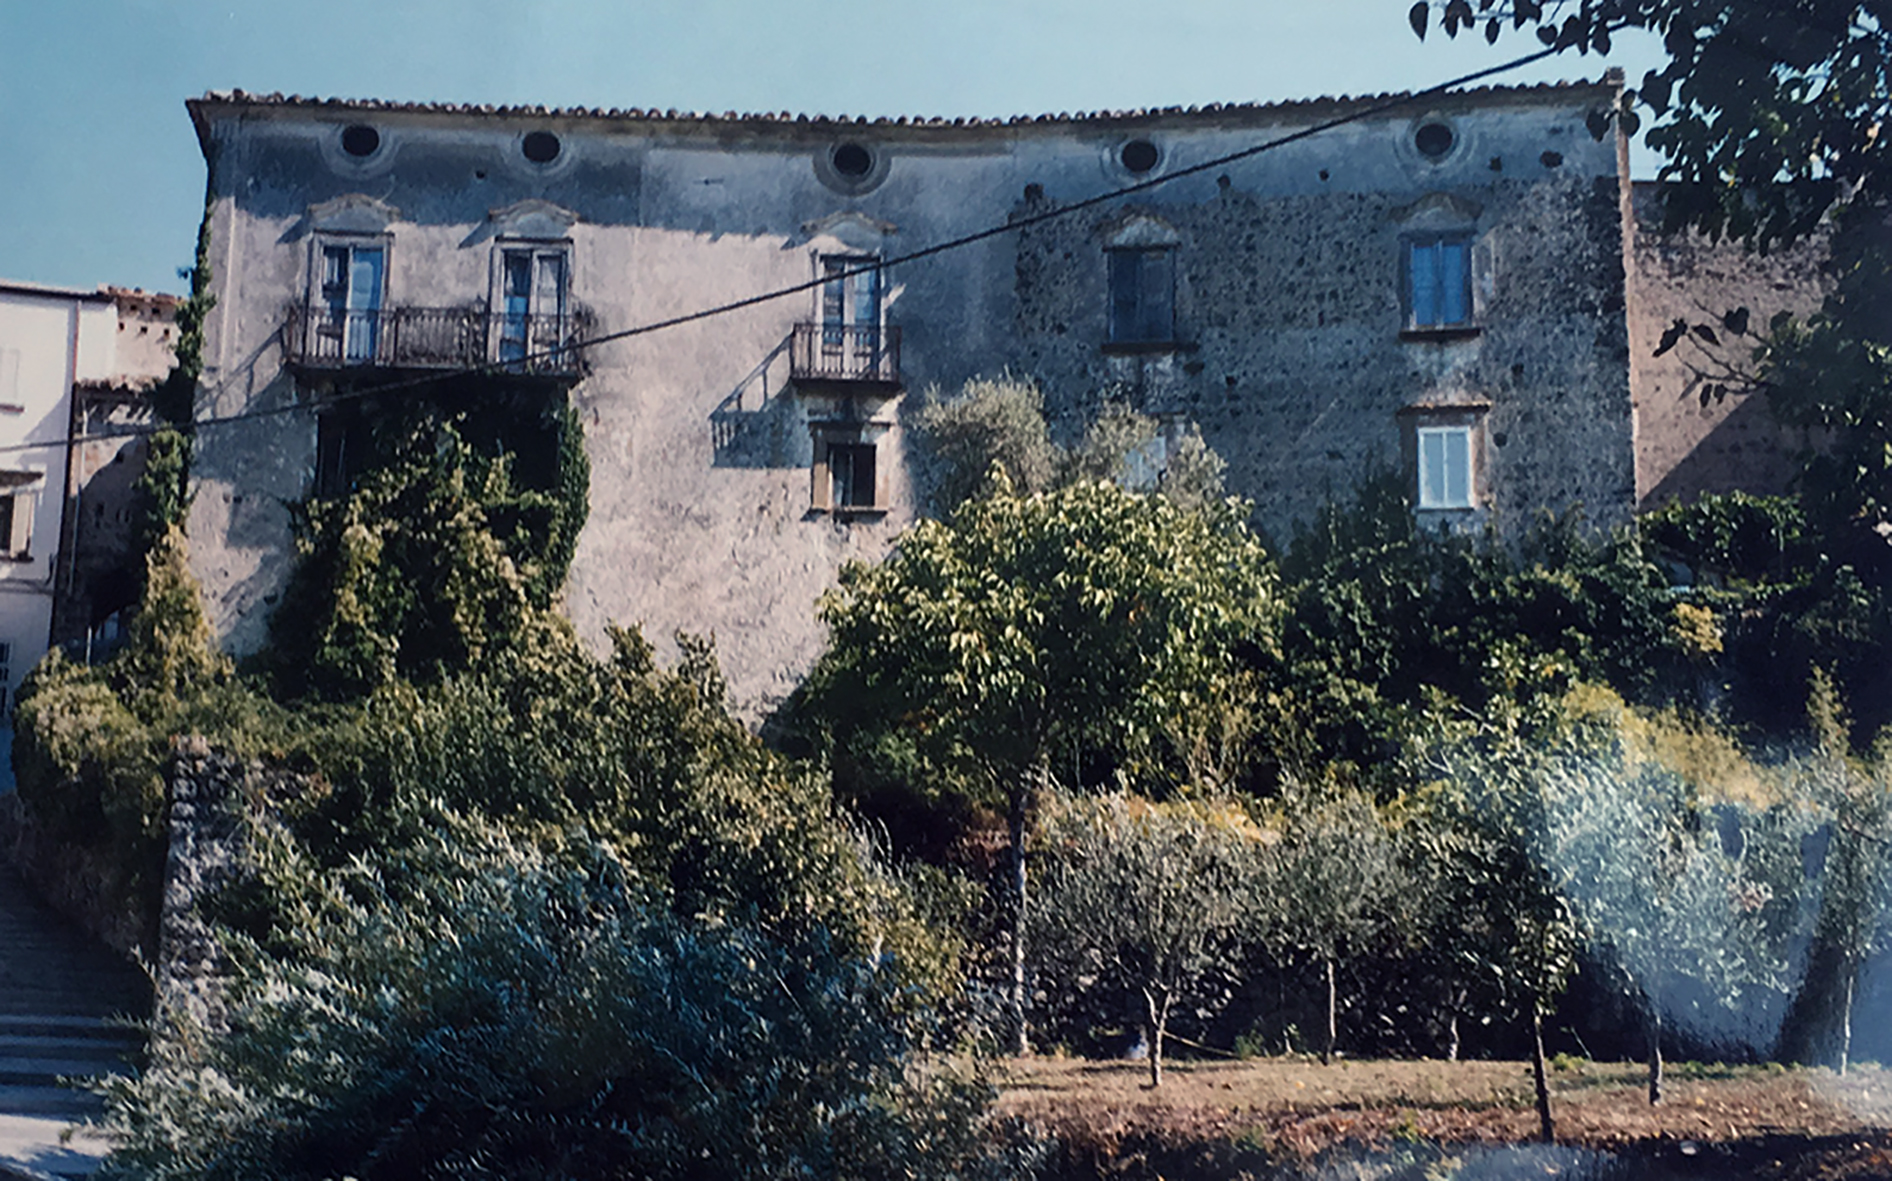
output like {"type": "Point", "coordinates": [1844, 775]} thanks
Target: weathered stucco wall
{"type": "Point", "coordinates": [1289, 348]}
{"type": "Point", "coordinates": [1688, 444]}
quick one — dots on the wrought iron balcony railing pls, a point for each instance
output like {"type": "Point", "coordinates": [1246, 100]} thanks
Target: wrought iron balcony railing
{"type": "Point", "coordinates": [868, 354]}
{"type": "Point", "coordinates": [432, 338]}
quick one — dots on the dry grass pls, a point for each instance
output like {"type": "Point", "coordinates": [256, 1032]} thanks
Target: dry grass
{"type": "Point", "coordinates": [1293, 1108]}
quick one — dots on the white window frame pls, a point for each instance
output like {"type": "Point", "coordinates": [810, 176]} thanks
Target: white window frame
{"type": "Point", "coordinates": [1439, 444]}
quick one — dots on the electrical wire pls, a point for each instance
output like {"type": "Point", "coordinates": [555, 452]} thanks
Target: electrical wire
{"type": "Point", "coordinates": [514, 366]}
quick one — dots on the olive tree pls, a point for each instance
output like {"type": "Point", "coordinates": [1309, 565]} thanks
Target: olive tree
{"type": "Point", "coordinates": [1337, 869]}
{"type": "Point", "coordinates": [1659, 893]}
{"type": "Point", "coordinates": [1853, 796]}
{"type": "Point", "coordinates": [1086, 623]}
{"type": "Point", "coordinates": [1151, 900]}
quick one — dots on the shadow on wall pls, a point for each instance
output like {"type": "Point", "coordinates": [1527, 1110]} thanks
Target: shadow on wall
{"type": "Point", "coordinates": [749, 428]}
{"type": "Point", "coordinates": [1747, 451]}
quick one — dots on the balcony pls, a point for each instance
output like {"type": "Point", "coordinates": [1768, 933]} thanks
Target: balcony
{"type": "Point", "coordinates": [846, 356]}
{"type": "Point", "coordinates": [323, 338]}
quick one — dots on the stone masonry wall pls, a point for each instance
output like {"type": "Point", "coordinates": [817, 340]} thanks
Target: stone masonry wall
{"type": "Point", "coordinates": [1292, 360]}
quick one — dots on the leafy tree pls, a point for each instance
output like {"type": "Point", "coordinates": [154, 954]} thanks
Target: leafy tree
{"type": "Point", "coordinates": [91, 742]}
{"type": "Point", "coordinates": [1033, 635]}
{"type": "Point", "coordinates": [1505, 920]}
{"type": "Point", "coordinates": [992, 421]}
{"type": "Point", "coordinates": [446, 551]}
{"type": "Point", "coordinates": [1000, 423]}
{"type": "Point", "coordinates": [1772, 116]}
{"type": "Point", "coordinates": [1150, 900]}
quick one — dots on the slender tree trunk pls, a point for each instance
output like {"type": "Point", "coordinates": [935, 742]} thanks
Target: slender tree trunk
{"type": "Point", "coordinates": [1158, 1024]}
{"type": "Point", "coordinates": [1846, 1021]}
{"type": "Point", "coordinates": [1451, 1026]}
{"type": "Point", "coordinates": [1333, 1017]}
{"type": "Point", "coordinates": [1021, 794]}
{"type": "Point", "coordinates": [1655, 1052]}
{"type": "Point", "coordinates": [1540, 1076]}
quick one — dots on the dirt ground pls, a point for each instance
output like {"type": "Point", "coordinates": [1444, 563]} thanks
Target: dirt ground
{"type": "Point", "coordinates": [1748, 1121]}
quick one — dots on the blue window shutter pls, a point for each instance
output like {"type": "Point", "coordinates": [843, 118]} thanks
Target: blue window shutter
{"type": "Point", "coordinates": [1454, 290]}
{"type": "Point", "coordinates": [1159, 288]}
{"type": "Point", "coordinates": [1423, 276]}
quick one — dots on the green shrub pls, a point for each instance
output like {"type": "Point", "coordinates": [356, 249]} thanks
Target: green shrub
{"type": "Point", "coordinates": [481, 1006]}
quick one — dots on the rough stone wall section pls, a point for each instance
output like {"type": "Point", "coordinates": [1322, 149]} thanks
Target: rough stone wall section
{"type": "Point", "coordinates": [206, 855]}
{"type": "Point", "coordinates": [1293, 363]}
{"type": "Point", "coordinates": [1688, 445]}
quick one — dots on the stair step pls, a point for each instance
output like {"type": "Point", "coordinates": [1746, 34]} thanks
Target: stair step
{"type": "Point", "coordinates": [44, 1099]}
{"type": "Point", "coordinates": [21, 1071]}
{"type": "Point", "coordinates": [72, 1059]}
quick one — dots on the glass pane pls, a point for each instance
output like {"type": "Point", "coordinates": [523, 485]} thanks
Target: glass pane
{"type": "Point", "coordinates": [364, 285]}
{"type": "Point", "coordinates": [335, 277]}
{"type": "Point", "coordinates": [1431, 469]}
{"type": "Point", "coordinates": [518, 305]}
{"type": "Point", "coordinates": [1158, 286]}
{"type": "Point", "coordinates": [866, 295]}
{"type": "Point", "coordinates": [841, 472]}
{"type": "Point", "coordinates": [364, 302]}
{"type": "Point", "coordinates": [548, 296]}
{"type": "Point", "coordinates": [1458, 467]}
{"type": "Point", "coordinates": [1125, 277]}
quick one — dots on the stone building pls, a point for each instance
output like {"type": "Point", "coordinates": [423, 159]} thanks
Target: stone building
{"type": "Point", "coordinates": [1436, 287]}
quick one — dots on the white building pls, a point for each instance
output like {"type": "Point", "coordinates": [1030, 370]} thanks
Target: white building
{"type": "Point", "coordinates": [52, 339]}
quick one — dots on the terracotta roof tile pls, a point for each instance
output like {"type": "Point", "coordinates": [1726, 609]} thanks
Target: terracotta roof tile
{"type": "Point", "coordinates": [217, 98]}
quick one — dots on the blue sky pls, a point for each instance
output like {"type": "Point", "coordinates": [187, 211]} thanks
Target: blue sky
{"type": "Point", "coordinates": [103, 182]}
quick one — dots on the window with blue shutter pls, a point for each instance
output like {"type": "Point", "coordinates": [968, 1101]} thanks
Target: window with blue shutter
{"type": "Point", "coordinates": [1142, 296]}
{"type": "Point", "coordinates": [1438, 282]}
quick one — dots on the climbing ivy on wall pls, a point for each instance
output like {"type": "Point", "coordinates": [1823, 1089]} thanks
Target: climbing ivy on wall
{"type": "Point", "coordinates": [448, 544]}
{"type": "Point", "coordinates": [164, 486]}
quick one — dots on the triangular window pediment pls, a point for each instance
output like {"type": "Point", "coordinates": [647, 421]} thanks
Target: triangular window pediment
{"type": "Point", "coordinates": [1142, 232]}
{"type": "Point", "coordinates": [854, 231]}
{"type": "Point", "coordinates": [1438, 209]}
{"type": "Point", "coordinates": [532, 218]}
{"type": "Point", "coordinates": [352, 213]}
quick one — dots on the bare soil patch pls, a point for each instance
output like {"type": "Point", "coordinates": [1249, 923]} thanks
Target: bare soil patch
{"type": "Point", "coordinates": [1282, 1117]}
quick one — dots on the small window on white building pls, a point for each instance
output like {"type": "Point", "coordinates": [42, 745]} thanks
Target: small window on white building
{"type": "Point", "coordinates": [1446, 475]}
{"type": "Point", "coordinates": [19, 496]}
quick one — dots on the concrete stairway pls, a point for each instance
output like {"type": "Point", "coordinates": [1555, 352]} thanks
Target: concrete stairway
{"type": "Point", "coordinates": [60, 996]}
